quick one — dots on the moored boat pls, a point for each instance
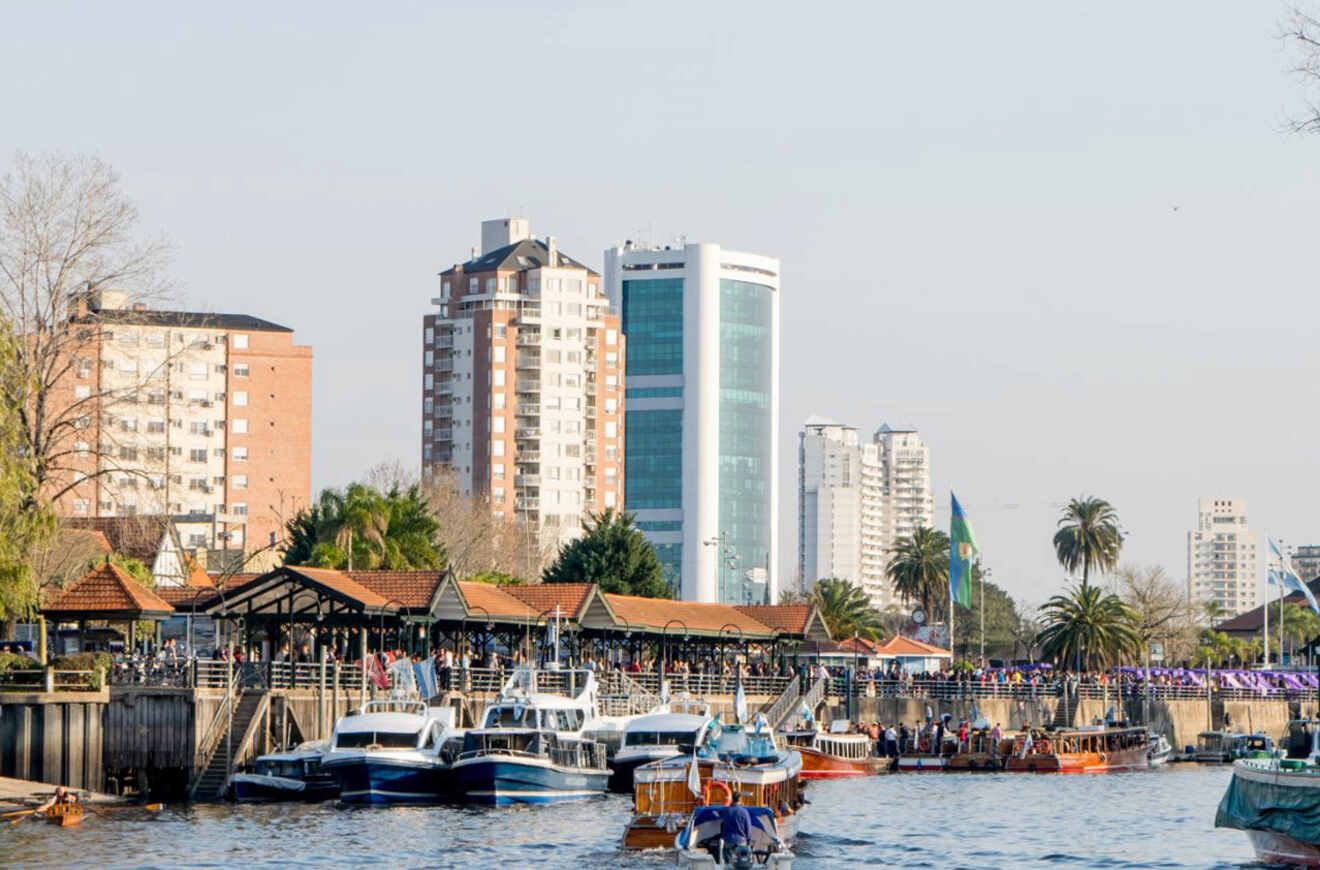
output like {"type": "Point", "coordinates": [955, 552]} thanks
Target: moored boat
{"type": "Point", "coordinates": [532, 745]}
{"type": "Point", "coordinates": [729, 758]}
{"type": "Point", "coordinates": [829, 756]}
{"type": "Point", "coordinates": [1084, 750]}
{"type": "Point", "coordinates": [1161, 750]}
{"type": "Point", "coordinates": [294, 775]}
{"type": "Point", "coordinates": [393, 752]}
{"type": "Point", "coordinates": [1276, 801]}
{"type": "Point", "coordinates": [672, 730]}
{"type": "Point", "coordinates": [699, 845]}
{"type": "Point", "coordinates": [1219, 747]}
{"type": "Point", "coordinates": [978, 754]}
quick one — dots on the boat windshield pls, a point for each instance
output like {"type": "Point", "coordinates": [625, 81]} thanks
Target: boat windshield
{"type": "Point", "coordinates": [1210, 741]}
{"type": "Point", "coordinates": [280, 768]}
{"type": "Point", "coordinates": [378, 739]}
{"type": "Point", "coordinates": [659, 738]}
{"type": "Point", "coordinates": [509, 717]}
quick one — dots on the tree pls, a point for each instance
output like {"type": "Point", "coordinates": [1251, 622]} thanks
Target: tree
{"type": "Point", "coordinates": [1160, 609]}
{"type": "Point", "coordinates": [474, 538]}
{"type": "Point", "coordinates": [361, 529]}
{"type": "Point", "coordinates": [1090, 626]}
{"type": "Point", "coordinates": [1088, 536]}
{"type": "Point", "coordinates": [614, 555]}
{"type": "Point", "coordinates": [847, 609]}
{"type": "Point", "coordinates": [919, 569]}
{"type": "Point", "coordinates": [1301, 34]}
{"type": "Point", "coordinates": [68, 233]}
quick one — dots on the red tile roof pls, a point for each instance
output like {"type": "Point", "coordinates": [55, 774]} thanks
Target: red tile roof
{"type": "Point", "coordinates": [907, 646]}
{"type": "Point", "coordinates": [414, 588]}
{"type": "Point", "coordinates": [184, 598]}
{"type": "Point", "coordinates": [340, 582]}
{"type": "Point", "coordinates": [570, 597]}
{"type": "Point", "coordinates": [697, 617]}
{"type": "Point", "coordinates": [784, 618]}
{"type": "Point", "coordinates": [105, 592]}
{"type": "Point", "coordinates": [494, 600]}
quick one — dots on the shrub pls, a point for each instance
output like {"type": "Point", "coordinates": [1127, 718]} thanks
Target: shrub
{"type": "Point", "coordinates": [16, 662]}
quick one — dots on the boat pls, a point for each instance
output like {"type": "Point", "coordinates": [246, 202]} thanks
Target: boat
{"type": "Point", "coordinates": [832, 755]}
{"type": "Point", "coordinates": [393, 751]}
{"type": "Point", "coordinates": [698, 844]}
{"type": "Point", "coordinates": [728, 758]}
{"type": "Point", "coordinates": [673, 729]}
{"type": "Point", "coordinates": [980, 754]}
{"type": "Point", "coordinates": [1219, 747]}
{"type": "Point", "coordinates": [294, 775]}
{"type": "Point", "coordinates": [1276, 800]}
{"type": "Point", "coordinates": [65, 815]}
{"type": "Point", "coordinates": [532, 745]}
{"type": "Point", "coordinates": [1096, 749]}
{"type": "Point", "coordinates": [920, 759]}
{"type": "Point", "coordinates": [1161, 750]}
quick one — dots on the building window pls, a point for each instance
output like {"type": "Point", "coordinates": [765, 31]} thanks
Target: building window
{"type": "Point", "coordinates": [82, 392]}
{"type": "Point", "coordinates": [497, 377]}
{"type": "Point", "coordinates": [239, 481]}
{"type": "Point", "coordinates": [240, 341]}
{"type": "Point", "coordinates": [498, 352]}
{"type": "Point", "coordinates": [654, 459]}
{"type": "Point", "coordinates": [81, 506]}
{"type": "Point", "coordinates": [197, 454]}
{"type": "Point", "coordinates": [239, 426]}
{"type": "Point", "coordinates": [239, 508]}
{"type": "Point", "coordinates": [241, 370]}
{"type": "Point", "coordinates": [497, 448]}
{"type": "Point", "coordinates": [240, 398]}
{"type": "Point", "coordinates": [497, 425]}
{"type": "Point", "coordinates": [240, 454]}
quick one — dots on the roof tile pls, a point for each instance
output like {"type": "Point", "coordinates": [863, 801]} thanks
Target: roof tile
{"type": "Point", "coordinates": [569, 597]}
{"type": "Point", "coordinates": [108, 589]}
{"type": "Point", "coordinates": [703, 617]}
{"type": "Point", "coordinates": [494, 600]}
{"type": "Point", "coordinates": [414, 588]}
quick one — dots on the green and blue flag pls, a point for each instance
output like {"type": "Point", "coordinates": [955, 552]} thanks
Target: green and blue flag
{"type": "Point", "coordinates": [962, 550]}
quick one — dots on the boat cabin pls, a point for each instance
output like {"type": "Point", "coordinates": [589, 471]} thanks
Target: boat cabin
{"type": "Point", "coordinates": [544, 744]}
{"type": "Point", "coordinates": [1214, 746]}
{"type": "Point", "coordinates": [521, 716]}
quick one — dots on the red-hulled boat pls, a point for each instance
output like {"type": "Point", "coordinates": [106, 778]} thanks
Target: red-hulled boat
{"type": "Point", "coordinates": [827, 756]}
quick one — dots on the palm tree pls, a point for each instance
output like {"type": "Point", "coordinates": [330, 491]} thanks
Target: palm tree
{"type": "Point", "coordinates": [847, 609]}
{"type": "Point", "coordinates": [919, 568]}
{"type": "Point", "coordinates": [1088, 536]}
{"type": "Point", "coordinates": [1089, 626]}
{"type": "Point", "coordinates": [364, 513]}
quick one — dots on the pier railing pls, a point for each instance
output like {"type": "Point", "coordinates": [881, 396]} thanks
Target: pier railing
{"type": "Point", "coordinates": [954, 690]}
{"type": "Point", "coordinates": [50, 680]}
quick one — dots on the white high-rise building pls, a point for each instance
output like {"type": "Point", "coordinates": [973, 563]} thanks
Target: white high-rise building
{"type": "Point", "coordinates": [856, 500]}
{"type": "Point", "coordinates": [1222, 564]}
{"type": "Point", "coordinates": [702, 325]}
{"type": "Point", "coordinates": [829, 502]}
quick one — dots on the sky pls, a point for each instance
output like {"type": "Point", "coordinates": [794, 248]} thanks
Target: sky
{"type": "Point", "coordinates": [1069, 242]}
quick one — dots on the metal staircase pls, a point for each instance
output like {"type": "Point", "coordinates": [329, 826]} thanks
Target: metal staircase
{"type": "Point", "coordinates": [620, 695]}
{"type": "Point", "coordinates": [1065, 712]}
{"type": "Point", "coordinates": [210, 783]}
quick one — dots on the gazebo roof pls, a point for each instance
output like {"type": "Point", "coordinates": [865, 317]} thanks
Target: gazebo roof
{"type": "Point", "coordinates": [108, 592]}
{"type": "Point", "coordinates": [686, 617]}
{"type": "Point", "coordinates": [416, 589]}
{"type": "Point", "coordinates": [800, 620]}
{"type": "Point", "coordinates": [570, 598]}
{"type": "Point", "coordinates": [296, 591]}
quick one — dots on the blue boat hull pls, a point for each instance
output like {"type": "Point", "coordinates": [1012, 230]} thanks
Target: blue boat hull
{"type": "Point", "coordinates": [505, 781]}
{"type": "Point", "coordinates": [315, 791]}
{"type": "Point", "coordinates": [384, 783]}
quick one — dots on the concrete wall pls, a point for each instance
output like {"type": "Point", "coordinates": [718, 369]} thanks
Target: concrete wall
{"type": "Point", "coordinates": [53, 737]}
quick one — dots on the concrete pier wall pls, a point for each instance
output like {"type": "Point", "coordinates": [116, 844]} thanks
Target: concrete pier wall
{"type": "Point", "coordinates": [53, 737]}
{"type": "Point", "coordinates": [1179, 721]}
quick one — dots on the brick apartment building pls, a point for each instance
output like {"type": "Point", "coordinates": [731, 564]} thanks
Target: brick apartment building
{"type": "Point", "coordinates": [522, 393]}
{"type": "Point", "coordinates": [204, 417]}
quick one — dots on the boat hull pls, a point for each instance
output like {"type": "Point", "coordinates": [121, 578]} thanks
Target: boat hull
{"type": "Point", "coordinates": [974, 762]}
{"type": "Point", "coordinates": [268, 789]}
{"type": "Point", "coordinates": [65, 817]}
{"type": "Point", "coordinates": [921, 764]}
{"type": "Point", "coordinates": [1119, 761]}
{"type": "Point", "coordinates": [1272, 848]}
{"type": "Point", "coordinates": [506, 780]}
{"type": "Point", "coordinates": [821, 765]}
{"type": "Point", "coordinates": [381, 782]}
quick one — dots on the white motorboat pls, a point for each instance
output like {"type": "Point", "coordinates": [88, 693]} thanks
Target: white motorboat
{"type": "Point", "coordinates": [674, 728]}
{"type": "Point", "coordinates": [394, 751]}
{"type": "Point", "coordinates": [1160, 749]}
{"type": "Point", "coordinates": [293, 775]}
{"type": "Point", "coordinates": [533, 746]}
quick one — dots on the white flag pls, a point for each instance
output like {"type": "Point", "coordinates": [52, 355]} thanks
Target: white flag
{"type": "Point", "coordinates": [740, 702]}
{"type": "Point", "coordinates": [694, 778]}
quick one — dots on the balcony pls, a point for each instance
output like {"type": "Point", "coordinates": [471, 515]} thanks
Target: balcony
{"type": "Point", "coordinates": [528, 385]}
{"type": "Point", "coordinates": [444, 434]}
{"type": "Point", "coordinates": [527, 432]}
{"type": "Point", "coordinates": [529, 410]}
{"type": "Point", "coordinates": [528, 361]}
{"type": "Point", "coordinates": [528, 338]}
{"type": "Point", "coordinates": [527, 504]}
{"type": "Point", "coordinates": [526, 480]}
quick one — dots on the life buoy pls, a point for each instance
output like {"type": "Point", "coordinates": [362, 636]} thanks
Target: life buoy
{"type": "Point", "coordinates": [710, 787]}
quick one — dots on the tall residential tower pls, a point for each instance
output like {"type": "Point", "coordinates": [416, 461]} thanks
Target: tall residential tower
{"type": "Point", "coordinates": [1222, 566]}
{"type": "Point", "coordinates": [522, 369]}
{"type": "Point", "coordinates": [702, 325]}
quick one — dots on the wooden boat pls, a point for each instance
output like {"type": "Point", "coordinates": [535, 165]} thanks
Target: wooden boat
{"type": "Point", "coordinates": [1083, 750]}
{"type": "Point", "coordinates": [65, 815]}
{"type": "Point", "coordinates": [827, 756]}
{"type": "Point", "coordinates": [729, 759]}
{"type": "Point", "coordinates": [978, 755]}
{"type": "Point", "coordinates": [1219, 747]}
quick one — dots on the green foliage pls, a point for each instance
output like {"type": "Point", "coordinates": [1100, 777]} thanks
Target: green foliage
{"type": "Point", "coordinates": [919, 569]}
{"type": "Point", "coordinates": [99, 663]}
{"type": "Point", "coordinates": [1088, 625]}
{"type": "Point", "coordinates": [1300, 624]}
{"type": "Point", "coordinates": [1001, 620]}
{"type": "Point", "coordinates": [614, 555]}
{"type": "Point", "coordinates": [847, 609]}
{"type": "Point", "coordinates": [1088, 536]}
{"type": "Point", "coordinates": [498, 578]}
{"type": "Point", "coordinates": [362, 529]}
{"type": "Point", "coordinates": [10, 661]}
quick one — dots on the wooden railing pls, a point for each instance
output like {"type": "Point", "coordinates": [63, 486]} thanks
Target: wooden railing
{"type": "Point", "coordinates": [50, 680]}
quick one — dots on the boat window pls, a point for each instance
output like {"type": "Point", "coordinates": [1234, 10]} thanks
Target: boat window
{"type": "Point", "coordinates": [659, 738]}
{"type": "Point", "coordinates": [505, 717]}
{"type": "Point", "coordinates": [382, 739]}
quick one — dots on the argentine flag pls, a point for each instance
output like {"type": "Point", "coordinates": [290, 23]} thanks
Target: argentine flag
{"type": "Point", "coordinates": [1286, 578]}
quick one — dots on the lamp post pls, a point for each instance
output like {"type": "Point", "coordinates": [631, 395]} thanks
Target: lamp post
{"type": "Point", "coordinates": [735, 628]}
{"type": "Point", "coordinates": [664, 640]}
{"type": "Point", "coordinates": [627, 634]}
{"type": "Point", "coordinates": [724, 554]}
{"type": "Point", "coordinates": [540, 617]}
{"type": "Point", "coordinates": [489, 624]}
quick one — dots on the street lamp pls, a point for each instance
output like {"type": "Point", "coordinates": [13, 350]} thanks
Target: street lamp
{"type": "Point", "coordinates": [664, 640]}
{"type": "Point", "coordinates": [735, 628]}
{"type": "Point", "coordinates": [489, 624]}
{"type": "Point", "coordinates": [627, 634]}
{"type": "Point", "coordinates": [539, 618]}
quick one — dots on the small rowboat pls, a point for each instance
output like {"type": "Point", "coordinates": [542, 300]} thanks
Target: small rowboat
{"type": "Point", "coordinates": [65, 815]}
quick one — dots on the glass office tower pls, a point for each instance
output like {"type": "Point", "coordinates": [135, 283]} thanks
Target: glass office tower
{"type": "Point", "coordinates": [701, 403]}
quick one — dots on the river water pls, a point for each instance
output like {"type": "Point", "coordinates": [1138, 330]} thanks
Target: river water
{"type": "Point", "coordinates": [1158, 819]}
